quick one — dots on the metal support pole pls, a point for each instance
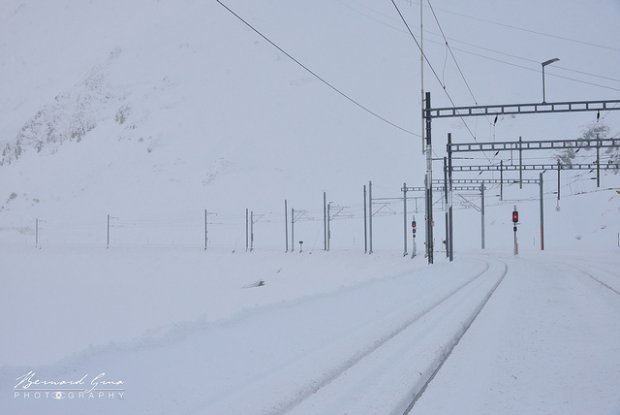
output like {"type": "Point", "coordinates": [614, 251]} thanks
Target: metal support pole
{"type": "Point", "coordinates": [292, 230]}
{"type": "Point", "coordinates": [36, 237]}
{"type": "Point", "coordinates": [598, 162]}
{"type": "Point", "coordinates": [429, 180]}
{"type": "Point", "coordinates": [286, 226]}
{"type": "Point", "coordinates": [543, 79]}
{"type": "Point", "coordinates": [445, 191]}
{"type": "Point", "coordinates": [501, 180]}
{"type": "Point", "coordinates": [251, 231]}
{"type": "Point", "coordinates": [365, 224]}
{"type": "Point", "coordinates": [370, 216]}
{"type": "Point", "coordinates": [324, 221]}
{"type": "Point", "coordinates": [246, 230]}
{"type": "Point", "coordinates": [559, 169]}
{"type": "Point", "coordinates": [405, 218]}
{"type": "Point", "coordinates": [206, 229]}
{"type": "Point", "coordinates": [482, 211]}
{"type": "Point", "coordinates": [108, 234]}
{"type": "Point", "coordinates": [450, 219]}
{"type": "Point", "coordinates": [542, 216]}
{"type": "Point", "coordinates": [329, 220]}
{"type": "Point", "coordinates": [422, 71]}
{"type": "Point", "coordinates": [520, 163]}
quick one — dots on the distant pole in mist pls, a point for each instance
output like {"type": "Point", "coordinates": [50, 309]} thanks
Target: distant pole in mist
{"type": "Point", "coordinates": [329, 220]}
{"type": "Point", "coordinates": [108, 233]}
{"type": "Point", "coordinates": [542, 215]}
{"type": "Point", "coordinates": [598, 161]}
{"type": "Point", "coordinates": [370, 216]}
{"type": "Point", "coordinates": [482, 212]}
{"type": "Point", "coordinates": [501, 180]}
{"type": "Point", "coordinates": [36, 233]}
{"type": "Point", "coordinates": [405, 218]}
{"type": "Point", "coordinates": [292, 230]}
{"type": "Point", "coordinates": [286, 225]}
{"type": "Point", "coordinates": [251, 231]}
{"type": "Point", "coordinates": [559, 169]}
{"type": "Point", "coordinates": [365, 224]}
{"type": "Point", "coordinates": [246, 230]}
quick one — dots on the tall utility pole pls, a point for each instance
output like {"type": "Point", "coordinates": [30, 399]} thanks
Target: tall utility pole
{"type": "Point", "coordinates": [246, 230]}
{"type": "Point", "coordinates": [598, 161]}
{"type": "Point", "coordinates": [405, 218]}
{"type": "Point", "coordinates": [450, 233]}
{"type": "Point", "coordinates": [422, 72]}
{"type": "Point", "coordinates": [251, 231]}
{"type": "Point", "coordinates": [370, 216]}
{"type": "Point", "coordinates": [329, 219]}
{"type": "Point", "coordinates": [445, 191]}
{"type": "Point", "coordinates": [482, 211]}
{"type": "Point", "coordinates": [542, 215]}
{"type": "Point", "coordinates": [365, 224]}
{"type": "Point", "coordinates": [501, 180]}
{"type": "Point", "coordinates": [429, 181]}
{"type": "Point", "coordinates": [286, 226]}
{"type": "Point", "coordinates": [559, 188]}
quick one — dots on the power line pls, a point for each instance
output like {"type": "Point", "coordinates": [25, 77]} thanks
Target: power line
{"type": "Point", "coordinates": [460, 41]}
{"type": "Point", "coordinates": [323, 80]}
{"type": "Point", "coordinates": [536, 32]}
{"type": "Point", "coordinates": [430, 66]}
{"type": "Point", "coordinates": [452, 53]}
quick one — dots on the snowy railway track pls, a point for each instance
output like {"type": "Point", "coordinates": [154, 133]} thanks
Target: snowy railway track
{"type": "Point", "coordinates": [455, 342]}
{"type": "Point", "coordinates": [602, 283]}
{"type": "Point", "coordinates": [414, 393]}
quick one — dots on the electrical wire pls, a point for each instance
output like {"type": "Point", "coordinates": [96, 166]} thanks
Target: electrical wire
{"type": "Point", "coordinates": [445, 90]}
{"type": "Point", "coordinates": [536, 32]}
{"type": "Point", "coordinates": [317, 76]}
{"type": "Point", "coordinates": [460, 41]}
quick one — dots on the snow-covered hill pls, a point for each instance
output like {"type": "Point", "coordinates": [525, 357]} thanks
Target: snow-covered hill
{"type": "Point", "coordinates": [155, 110]}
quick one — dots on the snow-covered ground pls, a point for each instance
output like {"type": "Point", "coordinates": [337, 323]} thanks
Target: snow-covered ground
{"type": "Point", "coordinates": [149, 112]}
{"type": "Point", "coordinates": [191, 332]}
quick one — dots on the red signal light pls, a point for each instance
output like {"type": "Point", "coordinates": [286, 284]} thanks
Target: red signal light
{"type": "Point", "coordinates": [515, 216]}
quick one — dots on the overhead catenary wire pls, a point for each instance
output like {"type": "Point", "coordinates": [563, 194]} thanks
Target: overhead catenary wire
{"type": "Point", "coordinates": [456, 62]}
{"type": "Point", "coordinates": [443, 86]}
{"type": "Point", "coordinates": [458, 67]}
{"type": "Point", "coordinates": [317, 76]}
{"type": "Point", "coordinates": [495, 59]}
{"type": "Point", "coordinates": [532, 31]}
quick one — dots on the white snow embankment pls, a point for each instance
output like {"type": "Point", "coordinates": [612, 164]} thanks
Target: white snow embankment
{"type": "Point", "coordinates": [271, 359]}
{"type": "Point", "coordinates": [547, 342]}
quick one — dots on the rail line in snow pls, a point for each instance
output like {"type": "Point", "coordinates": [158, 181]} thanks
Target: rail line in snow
{"type": "Point", "coordinates": [318, 384]}
{"type": "Point", "coordinates": [602, 283]}
{"type": "Point", "coordinates": [456, 340]}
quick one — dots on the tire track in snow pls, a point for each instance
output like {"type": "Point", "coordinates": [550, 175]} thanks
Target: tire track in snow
{"type": "Point", "coordinates": [282, 408]}
{"type": "Point", "coordinates": [455, 341]}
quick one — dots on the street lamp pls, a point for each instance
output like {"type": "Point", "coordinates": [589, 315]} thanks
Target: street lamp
{"type": "Point", "coordinates": [545, 63]}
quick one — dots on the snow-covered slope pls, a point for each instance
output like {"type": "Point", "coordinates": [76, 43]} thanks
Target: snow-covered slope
{"type": "Point", "coordinates": [155, 110]}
